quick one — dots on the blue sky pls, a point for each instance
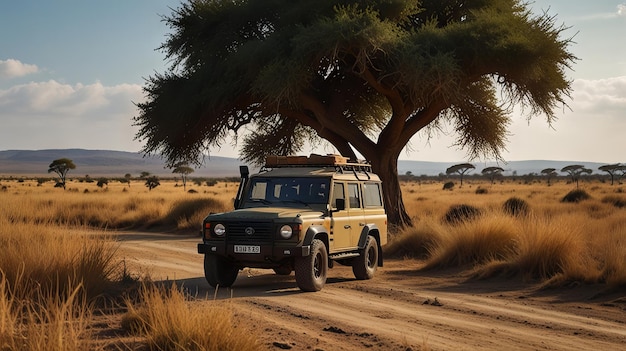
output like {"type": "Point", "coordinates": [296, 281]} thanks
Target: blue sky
{"type": "Point", "coordinates": [70, 71]}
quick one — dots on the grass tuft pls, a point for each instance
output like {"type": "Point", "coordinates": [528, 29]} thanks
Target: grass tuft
{"type": "Point", "coordinates": [467, 243]}
{"type": "Point", "coordinates": [167, 322]}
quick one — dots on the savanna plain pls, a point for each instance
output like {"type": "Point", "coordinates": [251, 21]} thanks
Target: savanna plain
{"type": "Point", "coordinates": [514, 265]}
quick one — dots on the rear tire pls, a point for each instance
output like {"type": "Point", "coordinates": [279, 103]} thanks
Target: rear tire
{"type": "Point", "coordinates": [365, 265]}
{"type": "Point", "coordinates": [218, 272]}
{"type": "Point", "coordinates": [311, 270]}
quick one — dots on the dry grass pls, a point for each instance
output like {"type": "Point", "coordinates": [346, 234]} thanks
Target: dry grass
{"type": "Point", "coordinates": [167, 322]}
{"type": "Point", "coordinates": [57, 263]}
{"type": "Point", "coordinates": [555, 242]}
{"type": "Point", "coordinates": [56, 260]}
{"type": "Point", "coordinates": [115, 207]}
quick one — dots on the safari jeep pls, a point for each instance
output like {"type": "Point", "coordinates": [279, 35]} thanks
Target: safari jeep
{"type": "Point", "coordinates": [299, 214]}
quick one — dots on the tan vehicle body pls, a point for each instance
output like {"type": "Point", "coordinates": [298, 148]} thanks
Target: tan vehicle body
{"type": "Point", "coordinates": [302, 214]}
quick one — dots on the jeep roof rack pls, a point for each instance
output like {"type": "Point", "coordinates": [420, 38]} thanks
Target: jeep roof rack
{"type": "Point", "coordinates": [340, 163]}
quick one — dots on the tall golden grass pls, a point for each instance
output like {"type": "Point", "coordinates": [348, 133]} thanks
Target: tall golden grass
{"type": "Point", "coordinates": [554, 243]}
{"type": "Point", "coordinates": [168, 322]}
{"type": "Point", "coordinates": [58, 262]}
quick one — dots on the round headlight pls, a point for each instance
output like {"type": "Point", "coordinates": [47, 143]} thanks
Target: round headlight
{"type": "Point", "coordinates": [286, 231]}
{"type": "Point", "coordinates": [219, 229]}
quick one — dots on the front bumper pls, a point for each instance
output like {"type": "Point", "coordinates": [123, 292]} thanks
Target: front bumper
{"type": "Point", "coordinates": [268, 253]}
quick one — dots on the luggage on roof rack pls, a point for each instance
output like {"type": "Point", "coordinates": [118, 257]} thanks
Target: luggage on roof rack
{"type": "Point", "coordinates": [339, 162]}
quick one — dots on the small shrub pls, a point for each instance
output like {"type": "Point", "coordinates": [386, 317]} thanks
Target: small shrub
{"type": "Point", "coordinates": [461, 213]}
{"type": "Point", "coordinates": [616, 201]}
{"type": "Point", "coordinates": [192, 191]}
{"type": "Point", "coordinates": [516, 207]}
{"type": "Point", "coordinates": [576, 196]}
{"type": "Point", "coordinates": [480, 190]}
{"type": "Point", "coordinates": [448, 186]}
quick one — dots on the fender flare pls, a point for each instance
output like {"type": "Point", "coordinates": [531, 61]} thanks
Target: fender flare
{"type": "Point", "coordinates": [372, 229]}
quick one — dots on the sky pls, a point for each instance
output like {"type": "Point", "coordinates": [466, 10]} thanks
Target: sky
{"type": "Point", "coordinates": [71, 72]}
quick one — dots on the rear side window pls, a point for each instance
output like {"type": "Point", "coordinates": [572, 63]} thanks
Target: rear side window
{"type": "Point", "coordinates": [371, 195]}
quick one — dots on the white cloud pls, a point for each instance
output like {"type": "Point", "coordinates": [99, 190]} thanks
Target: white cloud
{"type": "Point", "coordinates": [13, 68]}
{"type": "Point", "coordinates": [621, 10]}
{"type": "Point", "coordinates": [50, 114]}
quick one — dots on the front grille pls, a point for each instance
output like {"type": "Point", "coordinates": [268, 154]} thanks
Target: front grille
{"type": "Point", "coordinates": [263, 232]}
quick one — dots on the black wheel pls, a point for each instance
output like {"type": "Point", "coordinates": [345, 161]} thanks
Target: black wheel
{"type": "Point", "coordinates": [218, 272]}
{"type": "Point", "coordinates": [365, 265]}
{"type": "Point", "coordinates": [311, 270]}
{"type": "Point", "coordinates": [283, 270]}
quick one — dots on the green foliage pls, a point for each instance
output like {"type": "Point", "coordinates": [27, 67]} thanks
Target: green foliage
{"type": "Point", "coordinates": [364, 76]}
{"type": "Point", "coordinates": [61, 166]}
{"type": "Point", "coordinates": [152, 182]}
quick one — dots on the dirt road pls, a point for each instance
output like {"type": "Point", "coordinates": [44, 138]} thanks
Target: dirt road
{"type": "Point", "coordinates": [400, 309]}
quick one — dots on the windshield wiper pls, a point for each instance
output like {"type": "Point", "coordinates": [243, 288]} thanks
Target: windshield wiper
{"type": "Point", "coordinates": [263, 201]}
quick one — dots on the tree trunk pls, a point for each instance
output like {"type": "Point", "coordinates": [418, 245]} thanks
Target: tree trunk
{"type": "Point", "coordinates": [385, 164]}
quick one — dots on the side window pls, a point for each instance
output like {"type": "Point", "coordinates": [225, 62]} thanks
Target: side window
{"type": "Point", "coordinates": [371, 195]}
{"type": "Point", "coordinates": [354, 196]}
{"type": "Point", "coordinates": [337, 193]}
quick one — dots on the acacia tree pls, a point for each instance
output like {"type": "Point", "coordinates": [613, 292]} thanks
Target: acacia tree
{"type": "Point", "coordinates": [613, 170]}
{"type": "Point", "coordinates": [365, 76]}
{"type": "Point", "coordinates": [184, 170]}
{"type": "Point", "coordinates": [61, 166]}
{"type": "Point", "coordinates": [492, 172]}
{"type": "Point", "coordinates": [575, 171]}
{"type": "Point", "coordinates": [549, 172]}
{"type": "Point", "coordinates": [460, 169]}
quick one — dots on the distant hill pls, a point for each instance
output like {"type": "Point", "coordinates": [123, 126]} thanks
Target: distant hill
{"type": "Point", "coordinates": [117, 163]}
{"type": "Point", "coordinates": [105, 163]}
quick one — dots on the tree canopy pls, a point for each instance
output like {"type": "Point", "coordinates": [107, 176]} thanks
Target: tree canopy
{"type": "Point", "coordinates": [61, 166]}
{"type": "Point", "coordinates": [365, 76]}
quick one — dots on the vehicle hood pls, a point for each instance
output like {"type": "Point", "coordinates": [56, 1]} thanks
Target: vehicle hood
{"type": "Point", "coordinates": [266, 213]}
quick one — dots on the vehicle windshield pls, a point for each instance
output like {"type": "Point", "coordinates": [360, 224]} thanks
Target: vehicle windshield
{"type": "Point", "coordinates": [285, 191]}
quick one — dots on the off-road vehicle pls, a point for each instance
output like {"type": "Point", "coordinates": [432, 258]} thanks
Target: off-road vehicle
{"type": "Point", "coordinates": [299, 214]}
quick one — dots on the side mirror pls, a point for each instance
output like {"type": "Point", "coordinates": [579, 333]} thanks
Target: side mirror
{"type": "Point", "coordinates": [341, 204]}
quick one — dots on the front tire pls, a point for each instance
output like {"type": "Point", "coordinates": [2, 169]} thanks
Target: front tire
{"type": "Point", "coordinates": [218, 272]}
{"type": "Point", "coordinates": [311, 270]}
{"type": "Point", "coordinates": [365, 265]}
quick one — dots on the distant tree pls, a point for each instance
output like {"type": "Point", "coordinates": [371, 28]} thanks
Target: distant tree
{"type": "Point", "coordinates": [492, 172]}
{"type": "Point", "coordinates": [152, 182]}
{"type": "Point", "coordinates": [144, 175]}
{"type": "Point", "coordinates": [61, 166]}
{"type": "Point", "coordinates": [128, 177]}
{"type": "Point", "coordinates": [408, 174]}
{"type": "Point", "coordinates": [460, 169]}
{"type": "Point", "coordinates": [575, 171]}
{"type": "Point", "coordinates": [184, 170]}
{"type": "Point", "coordinates": [549, 173]}
{"type": "Point", "coordinates": [613, 170]}
{"type": "Point", "coordinates": [102, 182]}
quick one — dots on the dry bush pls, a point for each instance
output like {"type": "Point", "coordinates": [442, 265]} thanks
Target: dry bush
{"type": "Point", "coordinates": [166, 320]}
{"type": "Point", "coordinates": [516, 207]}
{"type": "Point", "coordinates": [415, 242]}
{"type": "Point", "coordinates": [615, 200]}
{"type": "Point", "coordinates": [44, 260]}
{"type": "Point", "coordinates": [461, 213]}
{"type": "Point", "coordinates": [468, 243]}
{"type": "Point", "coordinates": [577, 195]}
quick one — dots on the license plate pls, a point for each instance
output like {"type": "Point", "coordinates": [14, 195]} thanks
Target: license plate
{"type": "Point", "coordinates": [247, 249]}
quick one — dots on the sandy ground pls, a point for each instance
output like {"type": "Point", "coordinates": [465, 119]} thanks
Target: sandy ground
{"type": "Point", "coordinates": [402, 308]}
